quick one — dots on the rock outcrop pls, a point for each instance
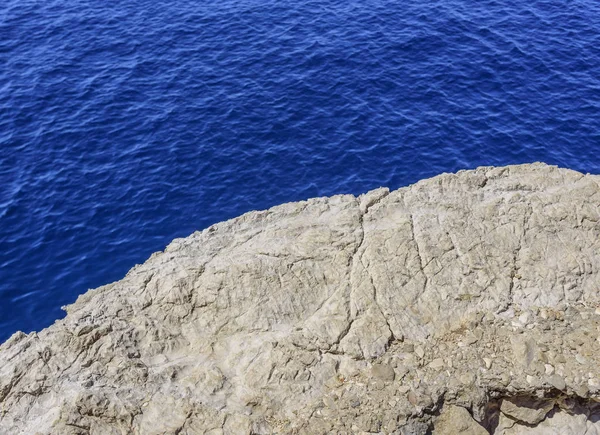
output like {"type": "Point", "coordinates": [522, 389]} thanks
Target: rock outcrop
{"type": "Point", "coordinates": [466, 303]}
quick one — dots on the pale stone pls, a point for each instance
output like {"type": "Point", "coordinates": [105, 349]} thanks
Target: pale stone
{"type": "Point", "coordinates": [557, 382]}
{"type": "Point", "coordinates": [457, 420]}
{"type": "Point", "coordinates": [526, 410]}
{"type": "Point", "coordinates": [524, 318]}
{"type": "Point", "coordinates": [295, 319]}
{"type": "Point", "coordinates": [383, 372]}
{"type": "Point", "coordinates": [558, 423]}
{"type": "Point", "coordinates": [436, 364]}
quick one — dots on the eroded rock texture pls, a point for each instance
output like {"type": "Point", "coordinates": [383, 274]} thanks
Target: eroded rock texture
{"type": "Point", "coordinates": [466, 303]}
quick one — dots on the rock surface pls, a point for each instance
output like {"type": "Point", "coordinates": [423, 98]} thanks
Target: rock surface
{"type": "Point", "coordinates": [468, 300]}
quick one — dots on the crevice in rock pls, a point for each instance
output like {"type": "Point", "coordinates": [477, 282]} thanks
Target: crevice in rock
{"type": "Point", "coordinates": [351, 266]}
{"type": "Point", "coordinates": [376, 302]}
{"type": "Point", "coordinates": [518, 414]}
{"type": "Point", "coordinates": [421, 262]}
{"type": "Point", "coordinates": [247, 350]}
{"type": "Point", "coordinates": [514, 271]}
{"type": "Point", "coordinates": [344, 333]}
{"type": "Point", "coordinates": [358, 257]}
{"type": "Point", "coordinates": [182, 426]}
{"type": "Point", "coordinates": [528, 411]}
{"type": "Point", "coordinates": [375, 200]}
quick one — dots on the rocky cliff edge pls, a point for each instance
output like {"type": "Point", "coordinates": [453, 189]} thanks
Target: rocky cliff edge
{"type": "Point", "coordinates": [465, 303]}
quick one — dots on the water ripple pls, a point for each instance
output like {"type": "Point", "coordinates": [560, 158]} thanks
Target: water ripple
{"type": "Point", "coordinates": [126, 124]}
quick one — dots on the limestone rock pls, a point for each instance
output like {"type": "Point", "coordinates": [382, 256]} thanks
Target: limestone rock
{"type": "Point", "coordinates": [338, 315]}
{"type": "Point", "coordinates": [526, 410]}
{"type": "Point", "coordinates": [456, 420]}
{"type": "Point", "coordinates": [384, 372]}
{"type": "Point", "coordinates": [557, 423]}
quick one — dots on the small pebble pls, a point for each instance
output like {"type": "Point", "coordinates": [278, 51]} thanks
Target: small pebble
{"type": "Point", "coordinates": [420, 352]}
{"type": "Point", "coordinates": [329, 402]}
{"type": "Point", "coordinates": [403, 389]}
{"type": "Point", "coordinates": [412, 398]}
{"type": "Point", "coordinates": [467, 379]}
{"type": "Point", "coordinates": [383, 372]}
{"type": "Point", "coordinates": [557, 382]}
{"type": "Point", "coordinates": [471, 338]}
{"type": "Point", "coordinates": [436, 364]}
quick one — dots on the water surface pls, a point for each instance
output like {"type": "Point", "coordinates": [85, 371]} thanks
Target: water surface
{"type": "Point", "coordinates": [125, 124]}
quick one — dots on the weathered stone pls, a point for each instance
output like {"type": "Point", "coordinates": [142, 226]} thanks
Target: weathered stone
{"type": "Point", "coordinates": [524, 350]}
{"type": "Point", "coordinates": [526, 409]}
{"type": "Point", "coordinates": [557, 382]}
{"type": "Point", "coordinates": [313, 317]}
{"type": "Point", "coordinates": [557, 423]}
{"type": "Point", "coordinates": [437, 364]}
{"type": "Point", "coordinates": [420, 352]}
{"type": "Point", "coordinates": [456, 420]}
{"type": "Point", "coordinates": [384, 372]}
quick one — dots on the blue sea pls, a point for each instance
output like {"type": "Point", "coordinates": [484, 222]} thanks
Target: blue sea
{"type": "Point", "coordinates": [125, 124]}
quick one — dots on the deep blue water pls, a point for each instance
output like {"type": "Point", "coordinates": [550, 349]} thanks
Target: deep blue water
{"type": "Point", "coordinates": [125, 124]}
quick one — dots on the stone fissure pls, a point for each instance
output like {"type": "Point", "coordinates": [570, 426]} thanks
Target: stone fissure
{"type": "Point", "coordinates": [514, 271]}
{"type": "Point", "coordinates": [287, 328]}
{"type": "Point", "coordinates": [418, 249]}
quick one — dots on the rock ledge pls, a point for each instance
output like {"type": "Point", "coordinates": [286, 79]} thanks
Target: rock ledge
{"type": "Point", "coordinates": [466, 303]}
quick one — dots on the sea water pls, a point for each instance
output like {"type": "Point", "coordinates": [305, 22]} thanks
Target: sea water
{"type": "Point", "coordinates": [125, 124]}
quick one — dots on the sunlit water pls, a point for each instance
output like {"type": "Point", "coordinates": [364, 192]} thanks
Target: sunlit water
{"type": "Point", "coordinates": [124, 124]}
